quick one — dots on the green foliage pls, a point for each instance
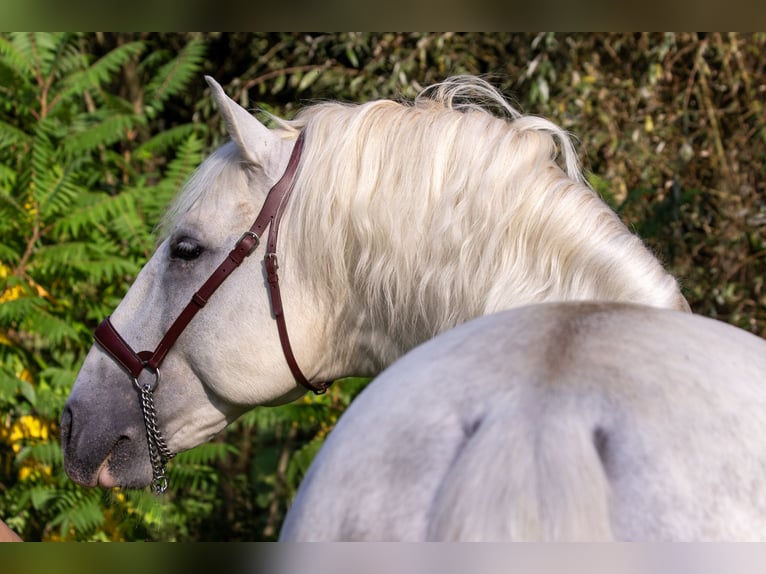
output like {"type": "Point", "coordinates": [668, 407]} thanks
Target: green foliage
{"type": "Point", "coordinates": [98, 131]}
{"type": "Point", "coordinates": [82, 184]}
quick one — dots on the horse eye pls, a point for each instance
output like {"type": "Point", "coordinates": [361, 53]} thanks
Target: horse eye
{"type": "Point", "coordinates": [186, 249]}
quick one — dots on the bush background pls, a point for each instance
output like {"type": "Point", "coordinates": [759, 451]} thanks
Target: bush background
{"type": "Point", "coordinates": [98, 131]}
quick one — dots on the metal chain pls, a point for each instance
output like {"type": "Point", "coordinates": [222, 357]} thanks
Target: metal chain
{"type": "Point", "coordinates": [159, 453]}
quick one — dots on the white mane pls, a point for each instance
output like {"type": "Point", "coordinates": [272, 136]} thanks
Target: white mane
{"type": "Point", "coordinates": [439, 211]}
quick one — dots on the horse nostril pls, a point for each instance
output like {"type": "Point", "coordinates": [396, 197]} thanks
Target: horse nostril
{"type": "Point", "coordinates": [66, 424]}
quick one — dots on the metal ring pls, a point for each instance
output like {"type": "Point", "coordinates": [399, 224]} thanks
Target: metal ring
{"type": "Point", "coordinates": [148, 386]}
{"type": "Point", "coordinates": [159, 484]}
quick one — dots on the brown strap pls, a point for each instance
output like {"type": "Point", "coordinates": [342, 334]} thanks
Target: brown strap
{"type": "Point", "coordinates": [272, 264]}
{"type": "Point", "coordinates": [276, 306]}
{"type": "Point", "coordinates": [270, 215]}
{"type": "Point", "coordinates": [111, 341]}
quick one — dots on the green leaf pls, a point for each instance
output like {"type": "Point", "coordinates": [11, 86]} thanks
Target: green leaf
{"type": "Point", "coordinates": [351, 55]}
{"type": "Point", "coordinates": [308, 79]}
{"type": "Point", "coordinates": [28, 392]}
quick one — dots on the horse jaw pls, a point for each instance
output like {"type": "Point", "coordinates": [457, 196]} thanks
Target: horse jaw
{"type": "Point", "coordinates": [257, 144]}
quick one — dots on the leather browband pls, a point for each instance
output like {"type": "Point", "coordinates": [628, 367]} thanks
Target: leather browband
{"type": "Point", "coordinates": [270, 215]}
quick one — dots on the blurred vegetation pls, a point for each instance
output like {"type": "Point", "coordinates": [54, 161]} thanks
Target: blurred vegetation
{"type": "Point", "coordinates": [98, 131]}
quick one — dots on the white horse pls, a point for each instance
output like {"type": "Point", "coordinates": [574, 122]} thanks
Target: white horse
{"type": "Point", "coordinates": [555, 422]}
{"type": "Point", "coordinates": [404, 220]}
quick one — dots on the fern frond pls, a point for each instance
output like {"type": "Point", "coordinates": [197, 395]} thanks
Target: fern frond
{"type": "Point", "coordinates": [70, 61]}
{"type": "Point", "coordinates": [304, 415]}
{"type": "Point", "coordinates": [58, 257]}
{"type": "Point", "coordinates": [167, 140]}
{"type": "Point", "coordinates": [89, 259]}
{"type": "Point", "coordinates": [43, 162]}
{"type": "Point", "coordinates": [50, 328]}
{"type": "Point", "coordinates": [7, 177]}
{"type": "Point", "coordinates": [101, 129]}
{"type": "Point", "coordinates": [117, 105]}
{"type": "Point", "coordinates": [11, 386]}
{"type": "Point", "coordinates": [14, 310]}
{"type": "Point", "coordinates": [301, 459]}
{"type": "Point", "coordinates": [194, 470]}
{"type": "Point", "coordinates": [61, 377]}
{"type": "Point", "coordinates": [19, 62]}
{"type": "Point", "coordinates": [12, 136]}
{"type": "Point", "coordinates": [102, 70]}
{"type": "Point", "coordinates": [48, 453]}
{"type": "Point", "coordinates": [60, 192]}
{"type": "Point", "coordinates": [40, 496]}
{"type": "Point", "coordinates": [38, 48]}
{"type": "Point", "coordinates": [206, 454]}
{"type": "Point", "coordinates": [173, 77]}
{"type": "Point", "coordinates": [8, 256]}
{"type": "Point", "coordinates": [180, 168]}
{"type": "Point", "coordinates": [192, 477]}
{"type": "Point", "coordinates": [80, 509]}
{"type": "Point", "coordinates": [10, 206]}
{"type": "Point", "coordinates": [58, 56]}
{"type": "Point", "coordinates": [95, 210]}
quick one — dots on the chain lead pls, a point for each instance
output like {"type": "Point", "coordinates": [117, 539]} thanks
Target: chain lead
{"type": "Point", "coordinates": [159, 453]}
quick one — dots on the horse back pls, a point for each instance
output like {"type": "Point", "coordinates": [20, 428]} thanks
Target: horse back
{"type": "Point", "coordinates": [554, 422]}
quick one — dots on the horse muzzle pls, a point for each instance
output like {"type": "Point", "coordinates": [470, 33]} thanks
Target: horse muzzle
{"type": "Point", "coordinates": [105, 449]}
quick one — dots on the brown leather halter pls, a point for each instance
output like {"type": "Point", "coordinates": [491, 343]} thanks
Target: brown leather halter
{"type": "Point", "coordinates": [271, 212]}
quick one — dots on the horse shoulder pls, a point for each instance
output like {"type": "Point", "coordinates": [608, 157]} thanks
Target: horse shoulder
{"type": "Point", "coordinates": [376, 473]}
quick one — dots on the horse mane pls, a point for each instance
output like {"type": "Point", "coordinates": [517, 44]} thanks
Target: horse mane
{"type": "Point", "coordinates": [439, 211]}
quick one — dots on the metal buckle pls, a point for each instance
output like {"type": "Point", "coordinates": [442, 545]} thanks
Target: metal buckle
{"type": "Point", "coordinates": [254, 246]}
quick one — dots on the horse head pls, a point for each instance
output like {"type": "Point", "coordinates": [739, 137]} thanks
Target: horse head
{"type": "Point", "coordinates": [228, 358]}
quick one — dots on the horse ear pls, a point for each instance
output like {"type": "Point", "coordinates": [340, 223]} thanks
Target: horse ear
{"type": "Point", "coordinates": [257, 144]}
